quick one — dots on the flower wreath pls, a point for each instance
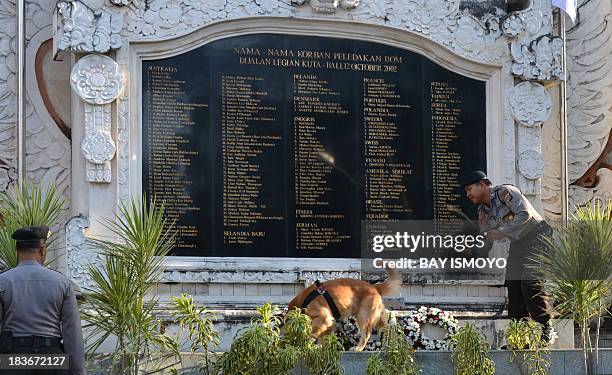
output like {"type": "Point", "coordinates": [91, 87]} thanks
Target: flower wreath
{"type": "Point", "coordinates": [348, 332]}
{"type": "Point", "coordinates": [413, 323]}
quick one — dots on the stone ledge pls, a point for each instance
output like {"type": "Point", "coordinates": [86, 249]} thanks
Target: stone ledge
{"type": "Point", "coordinates": [563, 362]}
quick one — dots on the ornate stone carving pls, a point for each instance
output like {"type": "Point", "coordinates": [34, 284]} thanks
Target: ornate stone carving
{"type": "Point", "coordinates": [99, 148]}
{"type": "Point", "coordinates": [602, 193]}
{"type": "Point", "coordinates": [310, 277]}
{"type": "Point", "coordinates": [121, 3]}
{"type": "Point", "coordinates": [79, 254]}
{"type": "Point", "coordinates": [539, 59]}
{"type": "Point", "coordinates": [530, 103]}
{"type": "Point", "coordinates": [84, 26]}
{"type": "Point", "coordinates": [238, 276]}
{"type": "Point", "coordinates": [512, 25]}
{"type": "Point", "coordinates": [97, 79]}
{"type": "Point", "coordinates": [328, 6]}
{"type": "Point", "coordinates": [123, 153]}
{"type": "Point", "coordinates": [469, 35]}
{"type": "Point", "coordinates": [8, 176]}
{"type": "Point", "coordinates": [531, 164]}
{"type": "Point", "coordinates": [438, 20]}
{"type": "Point", "coordinates": [48, 150]}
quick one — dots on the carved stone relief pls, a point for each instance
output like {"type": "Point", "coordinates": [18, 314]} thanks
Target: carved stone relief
{"type": "Point", "coordinates": [589, 122]}
{"type": "Point", "coordinates": [531, 164]}
{"type": "Point", "coordinates": [539, 59]}
{"type": "Point", "coordinates": [98, 81]}
{"type": "Point", "coordinates": [530, 104]}
{"type": "Point", "coordinates": [85, 26]}
{"type": "Point", "coordinates": [309, 277]}
{"type": "Point", "coordinates": [79, 253]}
{"type": "Point", "coordinates": [328, 6]}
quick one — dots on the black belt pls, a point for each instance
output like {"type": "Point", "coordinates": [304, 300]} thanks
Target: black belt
{"type": "Point", "coordinates": [321, 291]}
{"type": "Point", "coordinates": [37, 341]}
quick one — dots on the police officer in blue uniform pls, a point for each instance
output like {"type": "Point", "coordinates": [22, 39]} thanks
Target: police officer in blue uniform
{"type": "Point", "coordinates": [38, 307]}
{"type": "Point", "coordinates": [505, 213]}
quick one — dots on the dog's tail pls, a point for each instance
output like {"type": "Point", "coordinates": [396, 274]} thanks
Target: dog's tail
{"type": "Point", "coordinates": [392, 285]}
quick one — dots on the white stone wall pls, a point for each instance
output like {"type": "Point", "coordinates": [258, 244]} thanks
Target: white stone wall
{"type": "Point", "coordinates": [589, 96]}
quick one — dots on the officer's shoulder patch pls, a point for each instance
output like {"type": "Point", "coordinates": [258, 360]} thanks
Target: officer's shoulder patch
{"type": "Point", "coordinates": [505, 194]}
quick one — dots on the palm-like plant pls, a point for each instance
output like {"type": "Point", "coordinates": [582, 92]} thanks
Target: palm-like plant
{"type": "Point", "coordinates": [577, 267]}
{"type": "Point", "coordinates": [29, 205]}
{"type": "Point", "coordinates": [117, 305]}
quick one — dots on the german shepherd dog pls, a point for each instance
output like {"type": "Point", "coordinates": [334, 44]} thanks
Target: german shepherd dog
{"type": "Point", "coordinates": [352, 297]}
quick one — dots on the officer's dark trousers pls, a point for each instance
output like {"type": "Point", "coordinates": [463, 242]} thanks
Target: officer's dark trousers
{"type": "Point", "coordinates": [526, 296]}
{"type": "Point", "coordinates": [16, 348]}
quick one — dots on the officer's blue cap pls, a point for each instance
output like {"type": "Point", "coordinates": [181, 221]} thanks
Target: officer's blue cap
{"type": "Point", "coordinates": [472, 178]}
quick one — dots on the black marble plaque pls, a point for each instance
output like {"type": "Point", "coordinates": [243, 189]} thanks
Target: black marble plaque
{"type": "Point", "coordinates": [280, 145]}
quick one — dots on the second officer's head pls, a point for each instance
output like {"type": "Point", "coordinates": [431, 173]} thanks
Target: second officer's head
{"type": "Point", "coordinates": [31, 243]}
{"type": "Point", "coordinates": [477, 187]}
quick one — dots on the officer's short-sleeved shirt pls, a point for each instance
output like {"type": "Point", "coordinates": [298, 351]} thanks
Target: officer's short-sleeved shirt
{"type": "Point", "coordinates": [510, 213]}
{"type": "Point", "coordinates": [37, 301]}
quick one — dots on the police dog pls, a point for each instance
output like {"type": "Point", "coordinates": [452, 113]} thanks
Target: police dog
{"type": "Point", "coordinates": [352, 297]}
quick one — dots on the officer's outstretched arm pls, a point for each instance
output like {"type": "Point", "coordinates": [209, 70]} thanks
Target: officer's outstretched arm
{"type": "Point", "coordinates": [72, 333]}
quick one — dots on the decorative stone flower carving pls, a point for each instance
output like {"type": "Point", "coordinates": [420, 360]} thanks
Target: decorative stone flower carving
{"type": "Point", "coordinates": [530, 103]}
{"type": "Point", "coordinates": [99, 148]}
{"type": "Point", "coordinates": [531, 164]}
{"type": "Point", "coordinates": [97, 79]}
{"type": "Point", "coordinates": [512, 25]}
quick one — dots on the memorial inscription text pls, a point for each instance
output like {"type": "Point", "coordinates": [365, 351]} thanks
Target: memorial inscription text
{"type": "Point", "coordinates": [279, 145]}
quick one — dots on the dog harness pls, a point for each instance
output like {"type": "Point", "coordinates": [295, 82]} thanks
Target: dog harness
{"type": "Point", "coordinates": [322, 291]}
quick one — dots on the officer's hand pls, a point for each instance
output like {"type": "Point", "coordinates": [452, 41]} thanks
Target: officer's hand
{"type": "Point", "coordinates": [495, 235]}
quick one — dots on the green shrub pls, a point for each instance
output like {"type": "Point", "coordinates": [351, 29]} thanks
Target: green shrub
{"type": "Point", "coordinates": [471, 353]}
{"type": "Point", "coordinates": [526, 336]}
{"type": "Point", "coordinates": [324, 358]}
{"type": "Point", "coordinates": [261, 348]}
{"type": "Point", "coordinates": [577, 268]}
{"type": "Point", "coordinates": [202, 334]}
{"type": "Point", "coordinates": [396, 358]}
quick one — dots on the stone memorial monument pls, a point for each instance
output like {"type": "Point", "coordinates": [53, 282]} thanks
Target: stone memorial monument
{"type": "Point", "coordinates": [272, 128]}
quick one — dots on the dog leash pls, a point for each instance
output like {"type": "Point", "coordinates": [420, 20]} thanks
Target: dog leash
{"type": "Point", "coordinates": [322, 291]}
